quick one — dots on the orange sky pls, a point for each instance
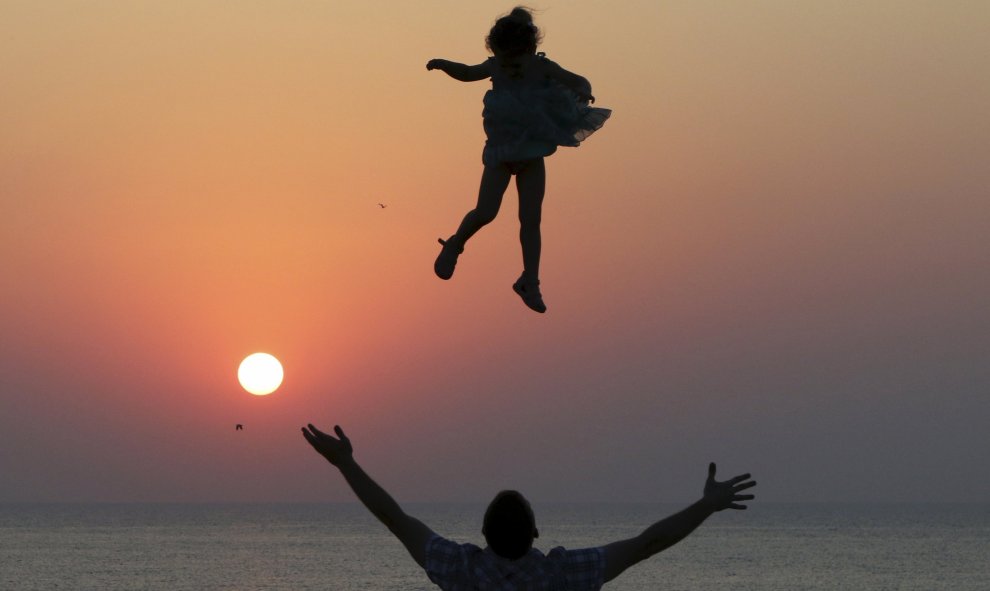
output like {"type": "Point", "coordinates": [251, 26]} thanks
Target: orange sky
{"type": "Point", "coordinates": [773, 255]}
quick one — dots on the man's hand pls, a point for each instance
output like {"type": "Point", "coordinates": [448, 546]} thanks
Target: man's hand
{"type": "Point", "coordinates": [725, 495]}
{"type": "Point", "coordinates": [336, 451]}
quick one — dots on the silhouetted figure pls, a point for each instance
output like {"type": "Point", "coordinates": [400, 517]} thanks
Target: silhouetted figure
{"type": "Point", "coordinates": [382, 205]}
{"type": "Point", "coordinates": [239, 427]}
{"type": "Point", "coordinates": [509, 527]}
{"type": "Point", "coordinates": [534, 106]}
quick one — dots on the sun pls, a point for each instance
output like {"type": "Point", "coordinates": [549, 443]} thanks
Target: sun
{"type": "Point", "coordinates": [260, 374]}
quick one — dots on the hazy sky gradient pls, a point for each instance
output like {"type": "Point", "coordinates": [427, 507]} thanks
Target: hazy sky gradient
{"type": "Point", "coordinates": [775, 255]}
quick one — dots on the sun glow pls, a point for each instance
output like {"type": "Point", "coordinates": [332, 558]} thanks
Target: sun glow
{"type": "Point", "coordinates": [260, 374]}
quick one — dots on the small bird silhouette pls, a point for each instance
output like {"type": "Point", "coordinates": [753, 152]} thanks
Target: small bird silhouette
{"type": "Point", "coordinates": [239, 427]}
{"type": "Point", "coordinates": [382, 205]}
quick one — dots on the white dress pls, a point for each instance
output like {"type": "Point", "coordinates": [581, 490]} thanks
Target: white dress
{"type": "Point", "coordinates": [528, 118]}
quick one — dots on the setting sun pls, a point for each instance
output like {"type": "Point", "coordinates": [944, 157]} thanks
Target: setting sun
{"type": "Point", "coordinates": [260, 374]}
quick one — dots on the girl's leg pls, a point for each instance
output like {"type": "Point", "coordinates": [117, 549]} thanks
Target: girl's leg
{"type": "Point", "coordinates": [494, 181]}
{"type": "Point", "coordinates": [531, 179]}
{"type": "Point", "coordinates": [531, 184]}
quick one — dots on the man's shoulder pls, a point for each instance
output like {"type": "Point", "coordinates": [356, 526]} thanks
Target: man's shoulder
{"type": "Point", "coordinates": [440, 545]}
{"type": "Point", "coordinates": [583, 560]}
{"type": "Point", "coordinates": [561, 552]}
{"type": "Point", "coordinates": [583, 568]}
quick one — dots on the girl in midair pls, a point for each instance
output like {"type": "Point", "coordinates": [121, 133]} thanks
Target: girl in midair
{"type": "Point", "coordinates": [534, 106]}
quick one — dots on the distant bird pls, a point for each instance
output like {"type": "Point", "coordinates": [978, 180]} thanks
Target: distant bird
{"type": "Point", "coordinates": [239, 427]}
{"type": "Point", "coordinates": [382, 205]}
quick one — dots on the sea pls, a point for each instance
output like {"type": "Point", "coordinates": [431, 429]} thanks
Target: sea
{"type": "Point", "coordinates": [340, 547]}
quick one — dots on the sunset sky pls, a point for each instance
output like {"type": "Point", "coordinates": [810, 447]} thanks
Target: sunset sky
{"type": "Point", "coordinates": [775, 255]}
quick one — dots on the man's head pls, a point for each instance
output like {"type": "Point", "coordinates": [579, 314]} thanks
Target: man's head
{"type": "Point", "coordinates": [509, 525]}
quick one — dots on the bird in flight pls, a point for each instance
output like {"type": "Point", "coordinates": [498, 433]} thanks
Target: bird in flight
{"type": "Point", "coordinates": [239, 427]}
{"type": "Point", "coordinates": [382, 205]}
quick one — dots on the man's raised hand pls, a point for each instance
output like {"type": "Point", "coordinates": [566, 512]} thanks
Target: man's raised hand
{"type": "Point", "coordinates": [335, 449]}
{"type": "Point", "coordinates": [725, 495]}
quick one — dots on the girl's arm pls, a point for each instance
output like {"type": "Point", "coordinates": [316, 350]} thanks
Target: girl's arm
{"type": "Point", "coordinates": [462, 72]}
{"type": "Point", "coordinates": [579, 84]}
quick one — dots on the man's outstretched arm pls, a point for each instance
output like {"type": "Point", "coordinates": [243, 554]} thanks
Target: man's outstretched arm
{"type": "Point", "coordinates": [665, 533]}
{"type": "Point", "coordinates": [338, 451]}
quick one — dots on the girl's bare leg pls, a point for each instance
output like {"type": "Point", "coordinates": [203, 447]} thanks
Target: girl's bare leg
{"type": "Point", "coordinates": [531, 179]}
{"type": "Point", "coordinates": [494, 181]}
{"type": "Point", "coordinates": [531, 184]}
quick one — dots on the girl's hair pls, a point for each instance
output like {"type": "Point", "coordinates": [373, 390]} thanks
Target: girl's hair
{"type": "Point", "coordinates": [514, 33]}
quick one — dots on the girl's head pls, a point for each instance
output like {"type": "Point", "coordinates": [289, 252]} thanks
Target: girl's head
{"type": "Point", "coordinates": [514, 34]}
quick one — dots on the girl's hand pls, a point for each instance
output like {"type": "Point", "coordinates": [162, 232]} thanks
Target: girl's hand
{"type": "Point", "coordinates": [459, 71]}
{"type": "Point", "coordinates": [586, 98]}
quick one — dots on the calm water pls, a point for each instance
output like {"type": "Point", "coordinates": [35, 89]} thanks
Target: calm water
{"type": "Point", "coordinates": [340, 548]}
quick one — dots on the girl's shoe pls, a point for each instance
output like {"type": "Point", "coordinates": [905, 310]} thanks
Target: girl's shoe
{"type": "Point", "coordinates": [529, 291]}
{"type": "Point", "coordinates": [447, 259]}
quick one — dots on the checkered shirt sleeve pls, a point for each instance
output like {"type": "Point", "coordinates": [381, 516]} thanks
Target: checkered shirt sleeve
{"type": "Point", "coordinates": [445, 562]}
{"type": "Point", "coordinates": [584, 569]}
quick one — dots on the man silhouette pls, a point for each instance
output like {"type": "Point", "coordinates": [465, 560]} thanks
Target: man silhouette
{"type": "Point", "coordinates": [510, 562]}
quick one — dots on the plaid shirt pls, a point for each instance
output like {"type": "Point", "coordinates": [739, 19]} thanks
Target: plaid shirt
{"type": "Point", "coordinates": [466, 567]}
